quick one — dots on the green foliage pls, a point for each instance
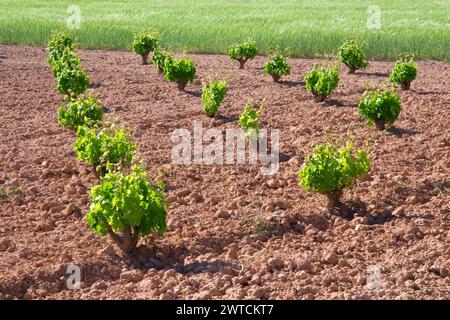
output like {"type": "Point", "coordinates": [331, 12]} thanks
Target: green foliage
{"type": "Point", "coordinates": [68, 60]}
{"type": "Point", "coordinates": [127, 204]}
{"type": "Point", "coordinates": [72, 81]}
{"type": "Point", "coordinates": [212, 96]}
{"type": "Point", "coordinates": [404, 72]}
{"type": "Point", "coordinates": [330, 169]}
{"type": "Point", "coordinates": [352, 55]}
{"type": "Point", "coordinates": [59, 43]}
{"type": "Point", "coordinates": [104, 149]}
{"type": "Point", "coordinates": [145, 42]}
{"type": "Point", "coordinates": [322, 81]}
{"type": "Point", "coordinates": [380, 104]}
{"type": "Point", "coordinates": [277, 66]}
{"type": "Point", "coordinates": [180, 71]}
{"type": "Point", "coordinates": [81, 112]}
{"type": "Point", "coordinates": [249, 120]}
{"type": "Point", "coordinates": [70, 77]}
{"type": "Point", "coordinates": [243, 52]}
{"type": "Point", "coordinates": [158, 59]}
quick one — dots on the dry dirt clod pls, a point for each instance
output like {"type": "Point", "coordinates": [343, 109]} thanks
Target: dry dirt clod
{"type": "Point", "coordinates": [45, 226]}
{"type": "Point", "coordinates": [275, 263]}
{"type": "Point", "coordinates": [331, 258]}
{"type": "Point", "coordinates": [108, 250]}
{"type": "Point", "coordinates": [204, 295]}
{"type": "Point", "coordinates": [100, 285]}
{"type": "Point", "coordinates": [272, 183]}
{"type": "Point", "coordinates": [131, 276]}
{"type": "Point", "coordinates": [222, 214]}
{"type": "Point", "coordinates": [69, 210]}
{"type": "Point", "coordinates": [232, 254]}
{"type": "Point", "coordinates": [257, 293]}
{"type": "Point", "coordinates": [173, 223]}
{"type": "Point", "coordinates": [4, 244]}
{"type": "Point", "coordinates": [398, 211]}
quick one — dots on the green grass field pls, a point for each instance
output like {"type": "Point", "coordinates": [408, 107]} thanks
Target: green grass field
{"type": "Point", "coordinates": [305, 28]}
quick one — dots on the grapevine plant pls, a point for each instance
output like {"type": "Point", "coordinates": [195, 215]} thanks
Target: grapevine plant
{"type": "Point", "coordinates": [104, 149]}
{"type": "Point", "coordinates": [380, 106]}
{"type": "Point", "coordinates": [277, 66]}
{"type": "Point", "coordinates": [243, 52]}
{"type": "Point", "coordinates": [404, 72]}
{"type": "Point", "coordinates": [329, 169]}
{"type": "Point", "coordinates": [322, 81]}
{"type": "Point", "coordinates": [127, 207]}
{"type": "Point", "coordinates": [70, 77]}
{"type": "Point", "coordinates": [81, 112]}
{"type": "Point", "coordinates": [59, 43]}
{"type": "Point", "coordinates": [212, 95]}
{"type": "Point", "coordinates": [158, 59]}
{"type": "Point", "coordinates": [352, 55]}
{"type": "Point", "coordinates": [72, 82]}
{"type": "Point", "coordinates": [249, 120]}
{"type": "Point", "coordinates": [67, 61]}
{"type": "Point", "coordinates": [180, 71]}
{"type": "Point", "coordinates": [145, 42]}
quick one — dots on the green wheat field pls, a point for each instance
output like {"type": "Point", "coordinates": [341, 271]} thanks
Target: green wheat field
{"type": "Point", "coordinates": [302, 28]}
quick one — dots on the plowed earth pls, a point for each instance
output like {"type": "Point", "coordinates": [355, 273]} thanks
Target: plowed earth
{"type": "Point", "coordinates": [234, 233]}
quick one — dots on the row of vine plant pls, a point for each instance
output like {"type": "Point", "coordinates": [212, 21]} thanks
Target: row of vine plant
{"type": "Point", "coordinates": [126, 206]}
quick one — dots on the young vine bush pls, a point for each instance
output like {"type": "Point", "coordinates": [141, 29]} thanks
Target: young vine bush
{"type": "Point", "coordinates": [329, 169]}
{"type": "Point", "coordinates": [212, 96]}
{"type": "Point", "coordinates": [86, 112]}
{"type": "Point", "coordinates": [243, 52]}
{"type": "Point", "coordinates": [145, 42]}
{"type": "Point", "coordinates": [158, 59]}
{"type": "Point", "coordinates": [180, 71]}
{"type": "Point", "coordinates": [352, 55]}
{"type": "Point", "coordinates": [380, 106]}
{"type": "Point", "coordinates": [322, 81]}
{"type": "Point", "coordinates": [59, 43]}
{"type": "Point", "coordinates": [105, 149]}
{"type": "Point", "coordinates": [127, 207]}
{"type": "Point", "coordinates": [249, 120]}
{"type": "Point", "coordinates": [277, 66]}
{"type": "Point", "coordinates": [404, 72]}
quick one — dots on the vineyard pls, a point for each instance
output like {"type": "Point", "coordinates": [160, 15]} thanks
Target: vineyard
{"type": "Point", "coordinates": [87, 176]}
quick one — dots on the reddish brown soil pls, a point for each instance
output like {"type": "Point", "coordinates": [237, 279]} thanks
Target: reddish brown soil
{"type": "Point", "coordinates": [233, 233]}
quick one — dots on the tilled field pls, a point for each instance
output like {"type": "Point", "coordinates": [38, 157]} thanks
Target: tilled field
{"type": "Point", "coordinates": [234, 233]}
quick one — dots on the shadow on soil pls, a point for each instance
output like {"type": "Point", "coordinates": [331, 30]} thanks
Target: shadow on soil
{"type": "Point", "coordinates": [428, 93]}
{"type": "Point", "coordinates": [398, 132]}
{"type": "Point", "coordinates": [292, 83]}
{"type": "Point", "coordinates": [226, 119]}
{"type": "Point", "coordinates": [352, 209]}
{"type": "Point", "coordinates": [162, 257]}
{"type": "Point", "coordinates": [285, 156]}
{"type": "Point", "coordinates": [95, 85]}
{"type": "Point", "coordinates": [374, 74]}
{"type": "Point", "coordinates": [208, 267]}
{"type": "Point", "coordinates": [338, 104]}
{"type": "Point", "coordinates": [193, 93]}
{"type": "Point", "coordinates": [348, 210]}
